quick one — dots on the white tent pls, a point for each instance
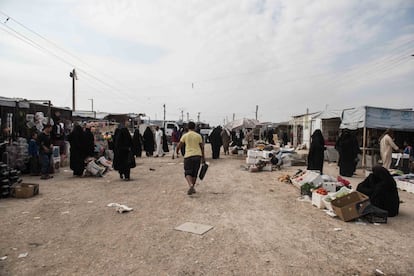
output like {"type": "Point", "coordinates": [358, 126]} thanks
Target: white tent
{"type": "Point", "coordinates": [242, 123]}
{"type": "Point", "coordinates": [366, 117]}
{"type": "Point", "coordinates": [377, 117]}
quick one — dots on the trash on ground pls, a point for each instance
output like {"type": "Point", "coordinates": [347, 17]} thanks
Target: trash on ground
{"type": "Point", "coordinates": [3, 258]}
{"type": "Point", "coordinates": [338, 229]}
{"type": "Point", "coordinates": [120, 208]}
{"type": "Point", "coordinates": [195, 228]}
{"type": "Point", "coordinates": [23, 255]}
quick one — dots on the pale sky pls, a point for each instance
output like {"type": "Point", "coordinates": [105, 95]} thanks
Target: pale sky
{"type": "Point", "coordinates": [215, 57]}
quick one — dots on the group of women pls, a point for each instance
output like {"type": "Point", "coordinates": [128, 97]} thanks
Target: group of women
{"type": "Point", "coordinates": [124, 147]}
{"type": "Point", "coordinates": [347, 147]}
{"type": "Point", "coordinates": [379, 186]}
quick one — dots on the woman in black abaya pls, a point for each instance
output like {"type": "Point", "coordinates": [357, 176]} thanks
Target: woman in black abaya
{"type": "Point", "coordinates": [123, 149]}
{"type": "Point", "coordinates": [77, 152]}
{"type": "Point", "coordinates": [216, 142]}
{"type": "Point", "coordinates": [164, 141]}
{"type": "Point", "coordinates": [382, 190]}
{"type": "Point", "coordinates": [137, 143]}
{"type": "Point", "coordinates": [348, 149]}
{"type": "Point", "coordinates": [148, 139]}
{"type": "Point", "coordinates": [316, 151]}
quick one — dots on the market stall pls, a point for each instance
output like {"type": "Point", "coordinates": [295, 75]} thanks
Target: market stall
{"type": "Point", "coordinates": [371, 119]}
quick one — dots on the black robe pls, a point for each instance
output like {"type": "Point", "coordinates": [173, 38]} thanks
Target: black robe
{"type": "Point", "coordinates": [164, 142]}
{"type": "Point", "coordinates": [137, 143]}
{"type": "Point", "coordinates": [77, 152]}
{"type": "Point", "coordinates": [348, 149]}
{"type": "Point", "coordinates": [123, 147]}
{"type": "Point", "coordinates": [316, 152]}
{"type": "Point", "coordinates": [148, 139]}
{"type": "Point", "coordinates": [216, 142]}
{"type": "Point", "coordinates": [382, 190]}
{"type": "Point", "coordinates": [89, 144]}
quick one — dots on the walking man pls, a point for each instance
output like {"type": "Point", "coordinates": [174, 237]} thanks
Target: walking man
{"type": "Point", "coordinates": [158, 142]}
{"type": "Point", "coordinates": [194, 155]}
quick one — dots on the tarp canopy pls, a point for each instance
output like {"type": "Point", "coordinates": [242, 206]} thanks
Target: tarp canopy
{"type": "Point", "coordinates": [7, 102]}
{"type": "Point", "coordinates": [377, 117]}
{"type": "Point", "coordinates": [242, 123]}
{"type": "Point", "coordinates": [328, 114]}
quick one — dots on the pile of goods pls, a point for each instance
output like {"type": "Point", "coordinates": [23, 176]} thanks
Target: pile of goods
{"type": "Point", "coordinates": [284, 178]}
{"type": "Point", "coordinates": [17, 154]}
{"type": "Point", "coordinates": [8, 178]}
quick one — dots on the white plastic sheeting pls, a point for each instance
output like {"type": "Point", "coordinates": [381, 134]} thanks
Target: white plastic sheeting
{"type": "Point", "coordinates": [242, 123]}
{"type": "Point", "coordinates": [377, 117]}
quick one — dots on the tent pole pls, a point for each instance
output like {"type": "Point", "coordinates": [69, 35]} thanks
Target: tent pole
{"type": "Point", "coordinates": [364, 141]}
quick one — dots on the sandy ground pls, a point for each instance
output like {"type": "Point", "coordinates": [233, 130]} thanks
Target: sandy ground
{"type": "Point", "coordinates": [260, 228]}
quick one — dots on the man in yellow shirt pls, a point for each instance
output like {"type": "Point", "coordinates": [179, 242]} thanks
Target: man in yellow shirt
{"type": "Point", "coordinates": [194, 155]}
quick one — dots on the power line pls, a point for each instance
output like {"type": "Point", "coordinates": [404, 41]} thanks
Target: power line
{"type": "Point", "coordinates": [54, 44]}
{"type": "Point", "coordinates": [40, 47]}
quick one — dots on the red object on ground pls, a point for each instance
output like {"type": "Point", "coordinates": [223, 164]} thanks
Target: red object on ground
{"type": "Point", "coordinates": [343, 180]}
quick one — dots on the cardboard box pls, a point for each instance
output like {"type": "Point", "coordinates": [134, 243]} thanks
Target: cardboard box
{"type": "Point", "coordinates": [327, 204]}
{"type": "Point", "coordinates": [313, 177]}
{"type": "Point", "coordinates": [317, 200]}
{"type": "Point", "coordinates": [330, 186]}
{"type": "Point", "coordinates": [25, 190]}
{"type": "Point", "coordinates": [350, 206]}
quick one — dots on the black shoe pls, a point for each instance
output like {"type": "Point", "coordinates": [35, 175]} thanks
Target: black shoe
{"type": "Point", "coordinates": [121, 176]}
{"type": "Point", "coordinates": [191, 191]}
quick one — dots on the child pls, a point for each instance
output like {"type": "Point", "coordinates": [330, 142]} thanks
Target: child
{"type": "Point", "coordinates": [408, 149]}
{"type": "Point", "coordinates": [34, 154]}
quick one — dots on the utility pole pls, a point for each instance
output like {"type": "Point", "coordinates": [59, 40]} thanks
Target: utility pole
{"type": "Point", "coordinates": [164, 114]}
{"type": "Point", "coordinates": [198, 117]}
{"type": "Point", "coordinates": [234, 116]}
{"type": "Point", "coordinates": [92, 108]}
{"type": "Point", "coordinates": [257, 109]}
{"type": "Point", "coordinates": [74, 77]}
{"type": "Point", "coordinates": [188, 117]}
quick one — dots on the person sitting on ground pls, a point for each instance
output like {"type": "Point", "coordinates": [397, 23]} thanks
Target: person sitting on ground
{"type": "Point", "coordinates": [382, 190]}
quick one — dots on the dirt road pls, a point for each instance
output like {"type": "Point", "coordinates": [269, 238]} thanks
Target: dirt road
{"type": "Point", "coordinates": [260, 228]}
